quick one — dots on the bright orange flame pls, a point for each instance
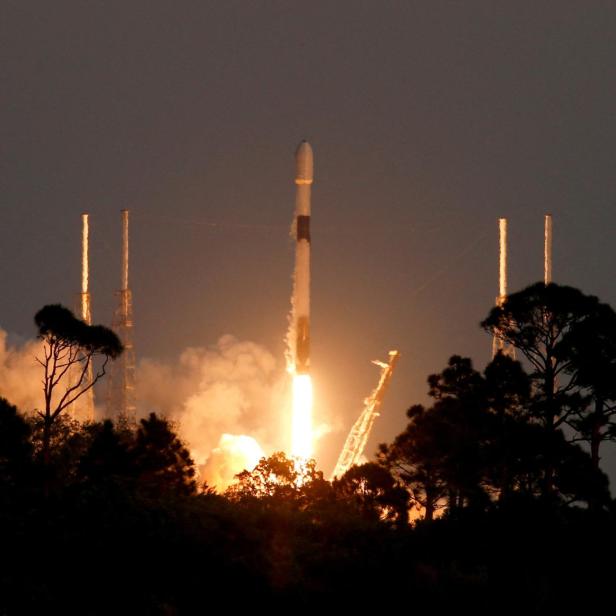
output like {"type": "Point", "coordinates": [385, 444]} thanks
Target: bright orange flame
{"type": "Point", "coordinates": [235, 452]}
{"type": "Point", "coordinates": [301, 431]}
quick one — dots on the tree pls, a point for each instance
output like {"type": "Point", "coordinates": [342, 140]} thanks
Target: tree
{"type": "Point", "coordinates": [279, 479]}
{"type": "Point", "coordinates": [162, 462]}
{"type": "Point", "coordinates": [69, 344]}
{"type": "Point", "coordinates": [511, 456]}
{"type": "Point", "coordinates": [569, 340]}
{"type": "Point", "coordinates": [592, 347]}
{"type": "Point", "coordinates": [539, 321]}
{"type": "Point", "coordinates": [439, 454]}
{"type": "Point", "coordinates": [479, 445]}
{"type": "Point", "coordinates": [416, 457]}
{"type": "Point", "coordinates": [108, 455]}
{"type": "Point", "coordinates": [372, 490]}
{"type": "Point", "coordinates": [15, 447]}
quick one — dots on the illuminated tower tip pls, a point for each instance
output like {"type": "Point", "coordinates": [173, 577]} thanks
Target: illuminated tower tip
{"type": "Point", "coordinates": [547, 249]}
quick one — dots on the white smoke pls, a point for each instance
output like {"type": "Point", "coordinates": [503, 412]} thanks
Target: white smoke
{"type": "Point", "coordinates": [20, 374]}
{"type": "Point", "coordinates": [231, 402]}
{"type": "Point", "coordinates": [232, 455]}
{"type": "Point", "coordinates": [234, 388]}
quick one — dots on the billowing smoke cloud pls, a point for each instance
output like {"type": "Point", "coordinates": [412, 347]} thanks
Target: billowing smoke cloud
{"type": "Point", "coordinates": [232, 455]}
{"type": "Point", "coordinates": [231, 402]}
{"type": "Point", "coordinates": [234, 388]}
{"type": "Point", "coordinates": [20, 374]}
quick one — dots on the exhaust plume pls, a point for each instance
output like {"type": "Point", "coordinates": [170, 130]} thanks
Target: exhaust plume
{"type": "Point", "coordinates": [234, 388]}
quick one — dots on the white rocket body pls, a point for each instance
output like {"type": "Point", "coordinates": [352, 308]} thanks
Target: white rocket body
{"type": "Point", "coordinates": [301, 299]}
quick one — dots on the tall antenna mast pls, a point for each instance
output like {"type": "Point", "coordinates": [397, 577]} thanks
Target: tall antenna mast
{"type": "Point", "coordinates": [497, 343]}
{"type": "Point", "coordinates": [85, 270]}
{"type": "Point", "coordinates": [83, 407]}
{"type": "Point", "coordinates": [121, 399]}
{"type": "Point", "coordinates": [547, 250]}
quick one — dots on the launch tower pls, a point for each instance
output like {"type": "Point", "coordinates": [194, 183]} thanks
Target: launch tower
{"type": "Point", "coordinates": [83, 407]}
{"type": "Point", "coordinates": [547, 250]}
{"type": "Point", "coordinates": [358, 436]}
{"type": "Point", "coordinates": [497, 343]}
{"type": "Point", "coordinates": [121, 399]}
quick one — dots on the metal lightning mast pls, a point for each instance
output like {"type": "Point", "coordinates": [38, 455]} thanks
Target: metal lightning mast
{"type": "Point", "coordinates": [497, 343]}
{"type": "Point", "coordinates": [547, 250]}
{"type": "Point", "coordinates": [83, 407]}
{"type": "Point", "coordinates": [358, 436]}
{"type": "Point", "coordinates": [121, 399]}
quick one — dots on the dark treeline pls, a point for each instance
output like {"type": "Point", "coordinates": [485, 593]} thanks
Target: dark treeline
{"type": "Point", "coordinates": [491, 500]}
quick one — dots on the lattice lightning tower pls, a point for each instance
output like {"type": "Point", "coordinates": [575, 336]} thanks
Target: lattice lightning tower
{"type": "Point", "coordinates": [121, 400]}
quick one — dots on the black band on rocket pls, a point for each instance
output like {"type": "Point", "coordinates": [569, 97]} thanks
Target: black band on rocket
{"type": "Point", "coordinates": [303, 228]}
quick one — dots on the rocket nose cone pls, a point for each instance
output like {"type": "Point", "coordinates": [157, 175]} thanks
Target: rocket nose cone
{"type": "Point", "coordinates": [304, 163]}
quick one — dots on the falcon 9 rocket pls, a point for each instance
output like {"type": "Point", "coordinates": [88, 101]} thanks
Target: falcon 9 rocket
{"type": "Point", "coordinates": [301, 430]}
{"type": "Point", "coordinates": [301, 298]}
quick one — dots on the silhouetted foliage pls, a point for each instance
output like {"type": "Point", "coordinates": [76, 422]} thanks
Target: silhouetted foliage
{"type": "Point", "coordinates": [278, 481]}
{"type": "Point", "coordinates": [58, 324]}
{"type": "Point", "coordinates": [592, 347]}
{"type": "Point", "coordinates": [15, 449]}
{"type": "Point", "coordinates": [69, 344]}
{"type": "Point", "coordinates": [480, 443]}
{"type": "Point", "coordinates": [373, 491]}
{"type": "Point", "coordinates": [124, 529]}
{"type": "Point", "coordinates": [539, 322]}
{"type": "Point", "coordinates": [160, 458]}
{"type": "Point", "coordinates": [569, 341]}
{"type": "Point", "coordinates": [109, 455]}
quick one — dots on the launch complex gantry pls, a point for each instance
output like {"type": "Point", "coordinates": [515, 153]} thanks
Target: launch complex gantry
{"type": "Point", "coordinates": [121, 393]}
{"type": "Point", "coordinates": [358, 436]}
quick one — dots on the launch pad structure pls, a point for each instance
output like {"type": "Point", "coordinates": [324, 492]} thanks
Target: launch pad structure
{"type": "Point", "coordinates": [547, 250]}
{"type": "Point", "coordinates": [498, 344]}
{"type": "Point", "coordinates": [83, 407]}
{"type": "Point", "coordinates": [121, 399]}
{"type": "Point", "coordinates": [355, 443]}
